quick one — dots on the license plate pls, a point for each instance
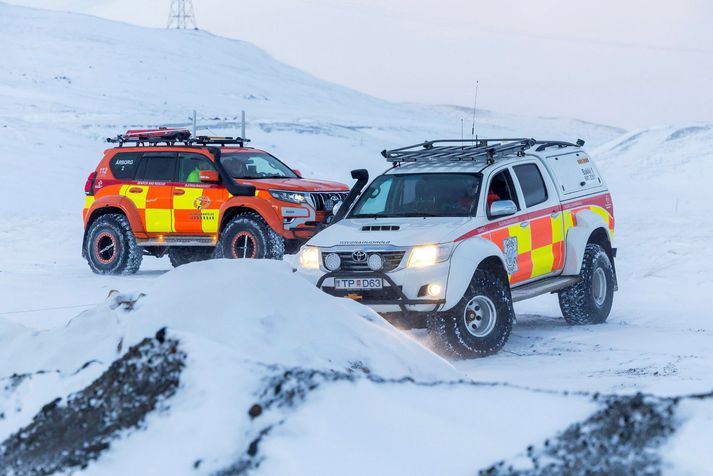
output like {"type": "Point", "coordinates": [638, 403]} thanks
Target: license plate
{"type": "Point", "coordinates": [358, 283]}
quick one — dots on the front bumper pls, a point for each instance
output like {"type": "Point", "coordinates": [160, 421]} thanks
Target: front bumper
{"type": "Point", "coordinates": [400, 292]}
{"type": "Point", "coordinates": [391, 295]}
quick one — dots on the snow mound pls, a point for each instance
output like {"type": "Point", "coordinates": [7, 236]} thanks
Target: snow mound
{"type": "Point", "coordinates": [266, 313]}
{"type": "Point", "coordinates": [261, 310]}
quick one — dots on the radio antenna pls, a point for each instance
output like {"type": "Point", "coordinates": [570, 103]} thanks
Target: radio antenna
{"type": "Point", "coordinates": [461, 132]}
{"type": "Point", "coordinates": [475, 108]}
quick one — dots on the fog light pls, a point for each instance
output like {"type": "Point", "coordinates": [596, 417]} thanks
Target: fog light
{"type": "Point", "coordinates": [332, 261]}
{"type": "Point", "coordinates": [434, 289]}
{"type": "Point", "coordinates": [375, 262]}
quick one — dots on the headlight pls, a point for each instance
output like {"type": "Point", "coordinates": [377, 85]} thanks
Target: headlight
{"type": "Point", "coordinates": [292, 197]}
{"type": "Point", "coordinates": [428, 255]}
{"type": "Point", "coordinates": [309, 257]}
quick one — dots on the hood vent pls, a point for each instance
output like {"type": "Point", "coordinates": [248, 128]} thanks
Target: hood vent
{"type": "Point", "coordinates": [380, 228]}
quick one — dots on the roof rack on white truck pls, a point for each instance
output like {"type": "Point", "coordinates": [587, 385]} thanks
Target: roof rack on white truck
{"type": "Point", "coordinates": [487, 150]}
{"type": "Point", "coordinates": [457, 230]}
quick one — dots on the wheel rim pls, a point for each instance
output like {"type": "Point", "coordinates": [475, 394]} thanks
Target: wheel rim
{"type": "Point", "coordinates": [599, 286]}
{"type": "Point", "coordinates": [244, 245]}
{"type": "Point", "coordinates": [480, 316]}
{"type": "Point", "coordinates": [105, 248]}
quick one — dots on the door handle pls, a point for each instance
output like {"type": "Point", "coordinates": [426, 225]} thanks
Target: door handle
{"type": "Point", "coordinates": [179, 191]}
{"type": "Point", "coordinates": [136, 190]}
{"type": "Point", "coordinates": [524, 224]}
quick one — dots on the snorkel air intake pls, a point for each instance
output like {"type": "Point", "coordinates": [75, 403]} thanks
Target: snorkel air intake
{"type": "Point", "coordinates": [362, 178]}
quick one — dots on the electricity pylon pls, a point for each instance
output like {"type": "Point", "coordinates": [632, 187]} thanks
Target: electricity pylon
{"type": "Point", "coordinates": [182, 15]}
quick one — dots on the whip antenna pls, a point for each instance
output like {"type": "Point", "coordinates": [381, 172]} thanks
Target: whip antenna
{"type": "Point", "coordinates": [475, 108]}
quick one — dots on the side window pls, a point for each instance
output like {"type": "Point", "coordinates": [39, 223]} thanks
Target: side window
{"type": "Point", "coordinates": [531, 183]}
{"type": "Point", "coordinates": [124, 165]}
{"type": "Point", "coordinates": [501, 188]}
{"type": "Point", "coordinates": [190, 166]}
{"type": "Point", "coordinates": [158, 169]}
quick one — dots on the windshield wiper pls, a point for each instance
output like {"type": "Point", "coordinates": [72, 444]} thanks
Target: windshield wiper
{"type": "Point", "coordinates": [413, 214]}
{"type": "Point", "coordinates": [397, 215]}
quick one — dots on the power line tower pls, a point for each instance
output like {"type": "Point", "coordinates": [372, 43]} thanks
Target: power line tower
{"type": "Point", "coordinates": [182, 15]}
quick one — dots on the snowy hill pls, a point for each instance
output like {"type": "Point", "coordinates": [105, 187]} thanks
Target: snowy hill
{"type": "Point", "coordinates": [307, 384]}
{"type": "Point", "coordinates": [72, 80]}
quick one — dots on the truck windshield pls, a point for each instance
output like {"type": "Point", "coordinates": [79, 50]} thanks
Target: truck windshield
{"type": "Point", "coordinates": [255, 165]}
{"type": "Point", "coordinates": [419, 195]}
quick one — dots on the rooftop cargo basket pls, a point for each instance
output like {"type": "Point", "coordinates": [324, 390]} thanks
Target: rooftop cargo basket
{"type": "Point", "coordinates": [171, 137]}
{"type": "Point", "coordinates": [466, 149]}
{"type": "Point", "coordinates": [483, 150]}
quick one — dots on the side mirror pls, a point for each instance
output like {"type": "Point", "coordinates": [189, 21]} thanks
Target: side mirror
{"type": "Point", "coordinates": [502, 208]}
{"type": "Point", "coordinates": [209, 176]}
{"type": "Point", "coordinates": [297, 172]}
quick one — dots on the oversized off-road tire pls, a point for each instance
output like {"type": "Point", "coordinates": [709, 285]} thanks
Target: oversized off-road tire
{"type": "Point", "coordinates": [180, 255]}
{"type": "Point", "coordinates": [248, 236]}
{"type": "Point", "coordinates": [110, 246]}
{"type": "Point", "coordinates": [479, 325]}
{"type": "Point", "coordinates": [590, 300]}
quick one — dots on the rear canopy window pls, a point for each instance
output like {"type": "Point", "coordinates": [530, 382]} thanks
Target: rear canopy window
{"type": "Point", "coordinates": [124, 165]}
{"type": "Point", "coordinates": [574, 172]}
{"type": "Point", "coordinates": [531, 183]}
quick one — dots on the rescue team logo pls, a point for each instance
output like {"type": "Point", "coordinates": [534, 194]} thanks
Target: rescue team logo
{"type": "Point", "coordinates": [510, 252]}
{"type": "Point", "coordinates": [201, 202]}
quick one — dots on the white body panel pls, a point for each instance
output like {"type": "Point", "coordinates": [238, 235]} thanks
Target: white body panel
{"type": "Point", "coordinates": [570, 178]}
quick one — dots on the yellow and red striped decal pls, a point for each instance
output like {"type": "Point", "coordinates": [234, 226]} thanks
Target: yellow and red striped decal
{"type": "Point", "coordinates": [540, 236]}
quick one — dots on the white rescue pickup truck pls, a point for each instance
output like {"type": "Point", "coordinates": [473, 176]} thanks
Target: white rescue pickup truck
{"type": "Point", "coordinates": [456, 231]}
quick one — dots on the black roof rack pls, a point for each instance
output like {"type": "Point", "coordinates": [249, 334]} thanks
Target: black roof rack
{"type": "Point", "coordinates": [476, 149]}
{"type": "Point", "coordinates": [178, 141]}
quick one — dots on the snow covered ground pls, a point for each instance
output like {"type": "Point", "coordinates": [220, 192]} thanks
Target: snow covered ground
{"type": "Point", "coordinates": [366, 397]}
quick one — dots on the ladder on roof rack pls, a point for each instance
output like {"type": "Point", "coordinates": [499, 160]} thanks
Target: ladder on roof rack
{"type": "Point", "coordinates": [488, 149]}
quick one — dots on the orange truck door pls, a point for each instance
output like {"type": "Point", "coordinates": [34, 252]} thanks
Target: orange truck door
{"type": "Point", "coordinates": [196, 205]}
{"type": "Point", "coordinates": [152, 191]}
{"type": "Point", "coordinates": [544, 214]}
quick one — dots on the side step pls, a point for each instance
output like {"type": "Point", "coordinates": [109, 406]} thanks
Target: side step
{"type": "Point", "coordinates": [178, 241]}
{"type": "Point", "coordinates": [549, 285]}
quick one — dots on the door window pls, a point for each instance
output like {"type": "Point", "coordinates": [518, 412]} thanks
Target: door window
{"type": "Point", "coordinates": [501, 188]}
{"type": "Point", "coordinates": [190, 166]}
{"type": "Point", "coordinates": [531, 183]}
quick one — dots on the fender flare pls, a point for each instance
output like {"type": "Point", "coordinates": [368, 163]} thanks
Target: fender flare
{"type": "Point", "coordinates": [268, 212]}
{"type": "Point", "coordinates": [577, 238]}
{"type": "Point", "coordinates": [465, 260]}
{"type": "Point", "coordinates": [122, 203]}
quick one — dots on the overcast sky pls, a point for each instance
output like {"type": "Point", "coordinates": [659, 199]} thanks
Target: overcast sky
{"type": "Point", "coordinates": [629, 63]}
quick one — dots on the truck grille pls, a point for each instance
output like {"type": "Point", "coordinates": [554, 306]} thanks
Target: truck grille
{"type": "Point", "coordinates": [392, 260]}
{"type": "Point", "coordinates": [325, 201]}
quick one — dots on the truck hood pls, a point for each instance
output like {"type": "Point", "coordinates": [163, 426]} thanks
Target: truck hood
{"type": "Point", "coordinates": [296, 184]}
{"type": "Point", "coordinates": [411, 232]}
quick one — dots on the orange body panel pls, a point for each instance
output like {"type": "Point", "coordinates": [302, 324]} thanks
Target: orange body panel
{"type": "Point", "coordinates": [192, 209]}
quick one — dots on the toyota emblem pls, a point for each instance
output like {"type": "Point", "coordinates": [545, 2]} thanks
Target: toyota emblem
{"type": "Point", "coordinates": [359, 256]}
